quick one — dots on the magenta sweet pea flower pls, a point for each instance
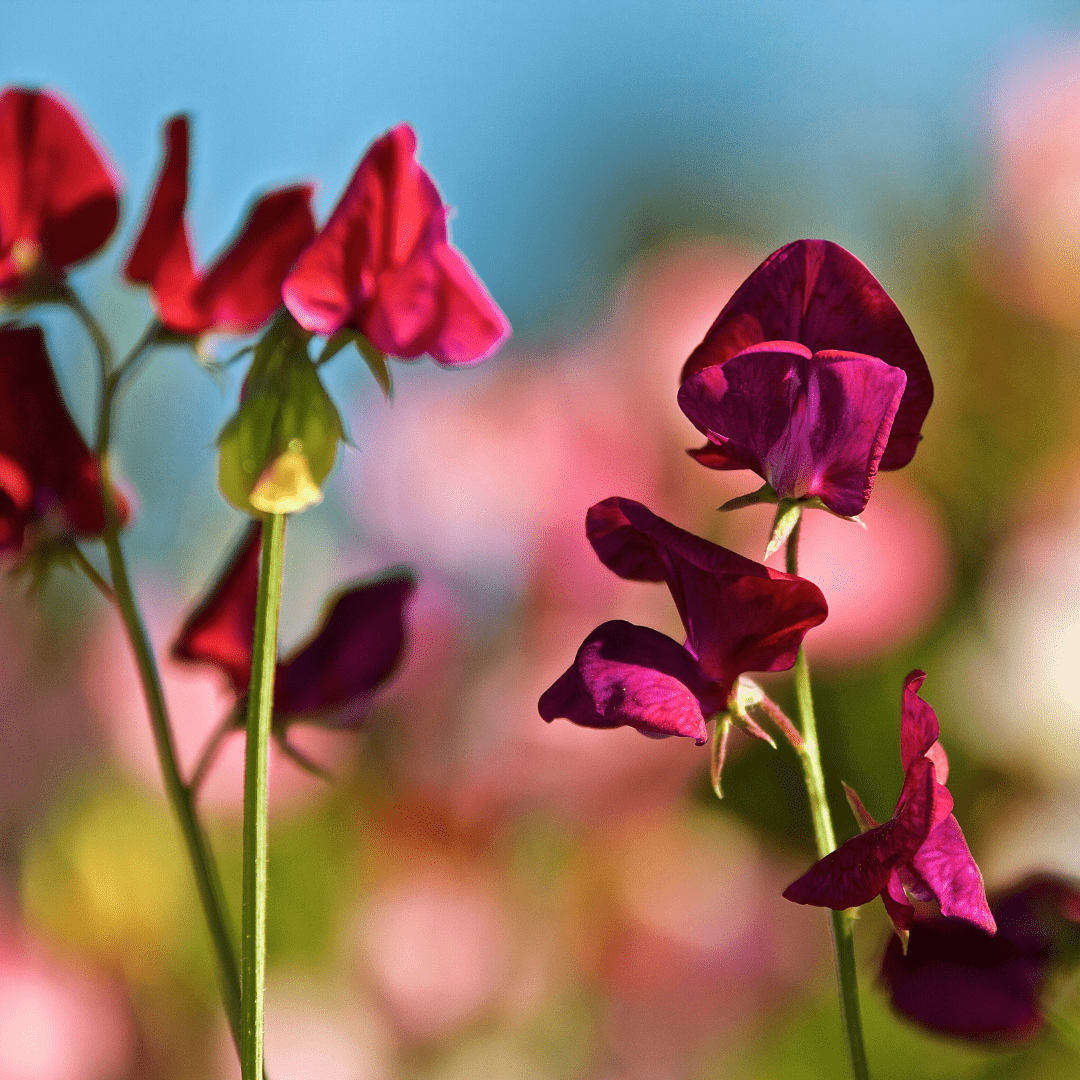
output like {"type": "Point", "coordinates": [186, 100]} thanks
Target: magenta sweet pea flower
{"type": "Point", "coordinates": [739, 616]}
{"type": "Point", "coordinates": [59, 199]}
{"type": "Point", "coordinates": [811, 424]}
{"type": "Point", "coordinates": [958, 979]}
{"type": "Point", "coordinates": [48, 477]}
{"type": "Point", "coordinates": [241, 289]}
{"type": "Point", "coordinates": [815, 294]}
{"type": "Point", "coordinates": [918, 854]}
{"type": "Point", "coordinates": [383, 265]}
{"type": "Point", "coordinates": [331, 679]}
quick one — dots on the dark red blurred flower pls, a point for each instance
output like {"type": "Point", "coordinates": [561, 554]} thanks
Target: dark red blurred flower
{"type": "Point", "coordinates": [383, 265]}
{"type": "Point", "coordinates": [739, 616]}
{"type": "Point", "coordinates": [918, 854]}
{"type": "Point", "coordinates": [958, 979]}
{"type": "Point", "coordinates": [58, 196]}
{"type": "Point", "coordinates": [47, 474]}
{"type": "Point", "coordinates": [816, 294]}
{"type": "Point", "coordinates": [811, 424]}
{"type": "Point", "coordinates": [329, 680]}
{"type": "Point", "coordinates": [242, 288]}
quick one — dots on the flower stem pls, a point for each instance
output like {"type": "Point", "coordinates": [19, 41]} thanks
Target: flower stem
{"type": "Point", "coordinates": [260, 709]}
{"type": "Point", "coordinates": [842, 925]}
{"type": "Point", "coordinates": [203, 865]}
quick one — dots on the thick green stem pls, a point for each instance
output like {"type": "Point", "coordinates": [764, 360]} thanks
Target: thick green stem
{"type": "Point", "coordinates": [842, 924]}
{"type": "Point", "coordinates": [203, 865]}
{"type": "Point", "coordinates": [260, 710]}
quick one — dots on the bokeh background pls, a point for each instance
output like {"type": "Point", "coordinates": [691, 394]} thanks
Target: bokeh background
{"type": "Point", "coordinates": [483, 895]}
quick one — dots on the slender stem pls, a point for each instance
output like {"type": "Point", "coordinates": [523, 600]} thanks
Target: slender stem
{"type": "Point", "coordinates": [302, 761]}
{"type": "Point", "coordinates": [783, 723]}
{"type": "Point", "coordinates": [210, 752]}
{"type": "Point", "coordinates": [842, 924]}
{"type": "Point", "coordinates": [95, 577]}
{"type": "Point", "coordinates": [204, 867]}
{"type": "Point", "coordinates": [260, 710]}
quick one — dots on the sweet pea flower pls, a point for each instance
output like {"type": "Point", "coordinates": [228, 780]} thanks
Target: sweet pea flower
{"type": "Point", "coordinates": [59, 199]}
{"type": "Point", "coordinates": [739, 616]}
{"type": "Point", "coordinates": [331, 678]}
{"type": "Point", "coordinates": [810, 424]}
{"type": "Point", "coordinates": [47, 474]}
{"type": "Point", "coordinates": [919, 854]}
{"type": "Point", "coordinates": [958, 979]}
{"type": "Point", "coordinates": [241, 289]}
{"type": "Point", "coordinates": [826, 383]}
{"type": "Point", "coordinates": [383, 266]}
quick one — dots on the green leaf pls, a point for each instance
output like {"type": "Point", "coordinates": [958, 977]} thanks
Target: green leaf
{"type": "Point", "coordinates": [283, 439]}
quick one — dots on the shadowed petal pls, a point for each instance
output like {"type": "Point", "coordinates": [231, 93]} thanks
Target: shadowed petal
{"type": "Point", "coordinates": [627, 675]}
{"type": "Point", "coordinates": [817, 294]}
{"type": "Point", "coordinates": [357, 648]}
{"type": "Point", "coordinates": [860, 869]}
{"type": "Point", "coordinates": [919, 728]}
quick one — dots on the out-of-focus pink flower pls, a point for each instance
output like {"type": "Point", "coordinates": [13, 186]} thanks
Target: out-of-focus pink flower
{"type": "Point", "coordinates": [58, 196]}
{"type": "Point", "coordinates": [1032, 253]}
{"type": "Point", "coordinates": [47, 474]}
{"type": "Point", "coordinates": [58, 1021]}
{"type": "Point", "coordinates": [815, 294]}
{"type": "Point", "coordinates": [435, 939]}
{"type": "Point", "coordinates": [241, 289]}
{"type": "Point", "coordinates": [919, 853]}
{"type": "Point", "coordinates": [383, 265]}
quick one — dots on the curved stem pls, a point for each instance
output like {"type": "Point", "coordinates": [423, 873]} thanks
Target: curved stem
{"type": "Point", "coordinates": [204, 867]}
{"type": "Point", "coordinates": [260, 711]}
{"type": "Point", "coordinates": [210, 751]}
{"type": "Point", "coordinates": [842, 925]}
{"type": "Point", "coordinates": [96, 578]}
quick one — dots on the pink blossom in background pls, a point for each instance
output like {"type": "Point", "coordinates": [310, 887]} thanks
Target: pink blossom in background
{"type": "Point", "coordinates": [58, 1021]}
{"type": "Point", "coordinates": [1031, 240]}
{"type": "Point", "coordinates": [198, 700]}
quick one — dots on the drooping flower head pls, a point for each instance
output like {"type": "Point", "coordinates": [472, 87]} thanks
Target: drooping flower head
{"type": "Point", "coordinates": [958, 979]}
{"type": "Point", "coordinates": [383, 265]}
{"type": "Point", "coordinates": [811, 377]}
{"type": "Point", "coordinates": [919, 854]}
{"type": "Point", "coordinates": [241, 289]}
{"type": "Point", "coordinates": [58, 196]}
{"type": "Point", "coordinates": [739, 616]}
{"type": "Point", "coordinates": [47, 473]}
{"type": "Point", "coordinates": [330, 679]}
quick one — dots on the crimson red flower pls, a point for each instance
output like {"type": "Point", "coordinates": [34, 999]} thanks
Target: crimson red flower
{"type": "Point", "coordinates": [47, 474]}
{"type": "Point", "coordinates": [919, 853]}
{"type": "Point", "coordinates": [383, 265]}
{"type": "Point", "coordinates": [958, 979]}
{"type": "Point", "coordinates": [329, 680]}
{"type": "Point", "coordinates": [58, 196]}
{"type": "Point", "coordinates": [242, 288]}
{"type": "Point", "coordinates": [815, 294]}
{"type": "Point", "coordinates": [739, 616]}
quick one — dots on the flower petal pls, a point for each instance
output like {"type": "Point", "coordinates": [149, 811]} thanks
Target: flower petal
{"type": "Point", "coordinates": [627, 675]}
{"type": "Point", "coordinates": [945, 864]}
{"type": "Point", "coordinates": [816, 293]}
{"type": "Point", "coordinates": [919, 728]}
{"type": "Point", "coordinates": [357, 648]}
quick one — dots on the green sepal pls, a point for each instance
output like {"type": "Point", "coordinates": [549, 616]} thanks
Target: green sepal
{"type": "Point", "coordinates": [764, 494]}
{"type": "Point", "coordinates": [285, 412]}
{"type": "Point", "coordinates": [41, 559]}
{"type": "Point", "coordinates": [862, 815]}
{"type": "Point", "coordinates": [374, 358]}
{"type": "Point", "coordinates": [788, 513]}
{"type": "Point", "coordinates": [721, 732]}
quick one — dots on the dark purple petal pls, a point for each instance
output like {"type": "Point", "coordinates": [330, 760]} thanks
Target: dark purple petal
{"type": "Point", "coordinates": [945, 864]}
{"type": "Point", "coordinates": [633, 676]}
{"type": "Point", "coordinates": [357, 648]}
{"type": "Point", "coordinates": [808, 424]}
{"type": "Point", "coordinates": [918, 723]}
{"type": "Point", "coordinates": [816, 293]}
{"type": "Point", "coordinates": [859, 869]}
{"type": "Point", "coordinates": [221, 628]}
{"type": "Point", "coordinates": [899, 908]}
{"type": "Point", "coordinates": [739, 615]}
